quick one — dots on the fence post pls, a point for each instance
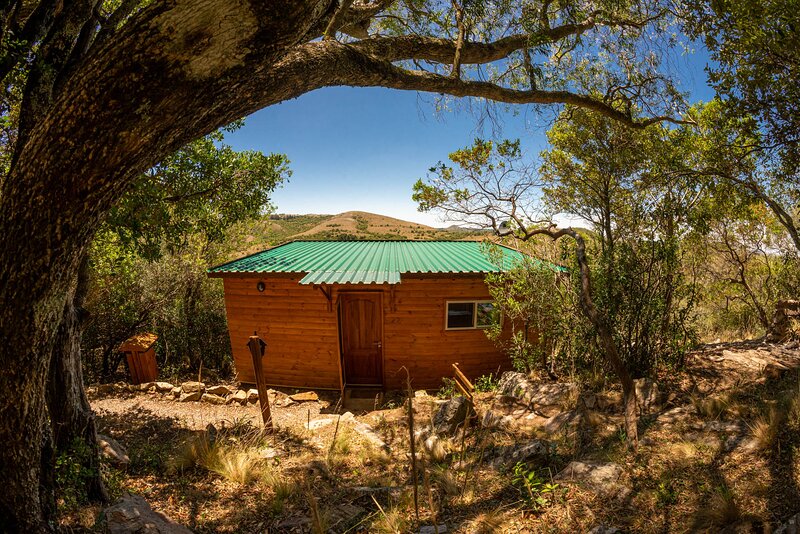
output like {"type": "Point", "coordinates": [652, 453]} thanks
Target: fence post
{"type": "Point", "coordinates": [257, 350]}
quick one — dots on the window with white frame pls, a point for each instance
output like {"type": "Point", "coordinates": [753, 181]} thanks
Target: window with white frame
{"type": "Point", "coordinates": [471, 314]}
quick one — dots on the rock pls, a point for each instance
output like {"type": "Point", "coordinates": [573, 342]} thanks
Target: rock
{"type": "Point", "coordinates": [318, 423]}
{"type": "Point", "coordinates": [451, 415]}
{"type": "Point", "coordinates": [343, 515]}
{"type": "Point", "coordinates": [239, 396]}
{"type": "Point", "coordinates": [537, 394]}
{"type": "Point", "coordinates": [561, 420]}
{"type": "Point", "coordinates": [268, 453]}
{"type": "Point", "coordinates": [212, 399]}
{"type": "Point", "coordinates": [222, 391]}
{"type": "Point", "coordinates": [190, 397]}
{"type": "Point", "coordinates": [533, 450]}
{"type": "Point", "coordinates": [132, 515]}
{"type": "Point", "coordinates": [286, 402]}
{"type": "Point", "coordinates": [305, 396]}
{"type": "Point", "coordinates": [603, 529]}
{"type": "Point", "coordinates": [105, 389]}
{"type": "Point", "coordinates": [146, 385]}
{"type": "Point", "coordinates": [164, 387]}
{"type": "Point", "coordinates": [601, 477]}
{"type": "Point", "coordinates": [176, 392]}
{"type": "Point", "coordinates": [431, 529]}
{"type": "Point", "coordinates": [112, 451]}
{"type": "Point", "coordinates": [294, 523]}
{"type": "Point", "coordinates": [365, 430]}
{"type": "Point", "coordinates": [675, 415]}
{"type": "Point", "coordinates": [420, 393]}
{"type": "Point", "coordinates": [492, 420]}
{"type": "Point", "coordinates": [791, 526]}
{"type": "Point", "coordinates": [252, 395]}
{"type": "Point", "coordinates": [648, 394]}
{"type": "Point", "coordinates": [192, 387]}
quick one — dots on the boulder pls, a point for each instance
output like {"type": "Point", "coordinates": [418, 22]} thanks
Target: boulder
{"type": "Point", "coordinates": [602, 478]}
{"type": "Point", "coordinates": [533, 450]}
{"type": "Point", "coordinates": [189, 397]}
{"type": "Point", "coordinates": [132, 515]}
{"type": "Point", "coordinates": [561, 420]}
{"type": "Point", "coordinates": [146, 386]}
{"type": "Point", "coordinates": [220, 390]}
{"type": "Point", "coordinates": [112, 451]}
{"type": "Point", "coordinates": [239, 396]}
{"type": "Point", "coordinates": [648, 394]}
{"type": "Point", "coordinates": [105, 389]}
{"type": "Point", "coordinates": [538, 394]}
{"type": "Point", "coordinates": [451, 415]}
{"type": "Point", "coordinates": [420, 393]}
{"type": "Point", "coordinates": [164, 387]}
{"type": "Point", "coordinates": [212, 399]}
{"type": "Point", "coordinates": [176, 392]}
{"type": "Point", "coordinates": [192, 387]}
{"type": "Point", "coordinates": [252, 395]}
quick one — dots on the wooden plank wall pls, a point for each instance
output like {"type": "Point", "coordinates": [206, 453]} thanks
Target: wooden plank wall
{"type": "Point", "coordinates": [415, 334]}
{"type": "Point", "coordinates": [302, 334]}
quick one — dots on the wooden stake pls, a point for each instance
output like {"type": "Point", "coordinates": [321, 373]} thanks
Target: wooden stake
{"type": "Point", "coordinates": [257, 350]}
{"type": "Point", "coordinates": [412, 443]}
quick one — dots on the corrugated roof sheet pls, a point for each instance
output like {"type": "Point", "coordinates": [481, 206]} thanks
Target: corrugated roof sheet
{"type": "Point", "coordinates": [371, 262]}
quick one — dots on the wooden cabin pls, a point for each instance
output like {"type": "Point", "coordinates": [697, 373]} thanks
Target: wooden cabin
{"type": "Point", "coordinates": [338, 314]}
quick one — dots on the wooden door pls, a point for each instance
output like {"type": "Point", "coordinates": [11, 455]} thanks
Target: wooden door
{"type": "Point", "coordinates": [362, 339]}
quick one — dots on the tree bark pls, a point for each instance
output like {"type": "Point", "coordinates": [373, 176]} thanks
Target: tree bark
{"type": "Point", "coordinates": [602, 327]}
{"type": "Point", "coordinates": [71, 416]}
{"type": "Point", "coordinates": [174, 71]}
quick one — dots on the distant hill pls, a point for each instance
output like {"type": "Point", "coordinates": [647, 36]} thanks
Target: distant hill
{"type": "Point", "coordinates": [350, 225]}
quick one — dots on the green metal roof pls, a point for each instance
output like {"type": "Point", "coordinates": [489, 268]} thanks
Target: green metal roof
{"type": "Point", "coordinates": [371, 262]}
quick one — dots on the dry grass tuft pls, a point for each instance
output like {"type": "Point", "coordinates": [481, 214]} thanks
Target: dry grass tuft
{"type": "Point", "coordinates": [487, 522]}
{"type": "Point", "coordinates": [233, 457]}
{"type": "Point", "coordinates": [446, 480]}
{"type": "Point", "coordinates": [711, 407]}
{"type": "Point", "coordinates": [436, 448]}
{"type": "Point", "coordinates": [765, 429]}
{"type": "Point", "coordinates": [237, 465]}
{"type": "Point", "coordinates": [721, 511]}
{"type": "Point", "coordinates": [390, 521]}
{"type": "Point", "coordinates": [682, 451]}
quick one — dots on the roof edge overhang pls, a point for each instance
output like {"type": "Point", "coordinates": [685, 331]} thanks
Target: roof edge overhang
{"type": "Point", "coordinates": [301, 275]}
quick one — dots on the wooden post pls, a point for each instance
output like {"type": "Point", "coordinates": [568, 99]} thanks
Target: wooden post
{"type": "Point", "coordinates": [257, 349]}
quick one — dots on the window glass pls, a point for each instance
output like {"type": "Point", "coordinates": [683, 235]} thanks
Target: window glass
{"type": "Point", "coordinates": [460, 314]}
{"type": "Point", "coordinates": [487, 314]}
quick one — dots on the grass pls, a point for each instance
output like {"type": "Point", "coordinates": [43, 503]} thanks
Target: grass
{"type": "Point", "coordinates": [720, 512]}
{"type": "Point", "coordinates": [390, 520]}
{"type": "Point", "coordinates": [765, 428]}
{"type": "Point", "coordinates": [711, 407]}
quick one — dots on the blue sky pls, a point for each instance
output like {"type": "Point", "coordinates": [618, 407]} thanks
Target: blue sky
{"type": "Point", "coordinates": [363, 149]}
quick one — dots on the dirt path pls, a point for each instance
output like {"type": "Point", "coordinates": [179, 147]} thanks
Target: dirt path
{"type": "Point", "coordinates": [197, 415]}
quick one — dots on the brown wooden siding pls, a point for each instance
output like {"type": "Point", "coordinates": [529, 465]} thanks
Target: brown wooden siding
{"type": "Point", "coordinates": [303, 341]}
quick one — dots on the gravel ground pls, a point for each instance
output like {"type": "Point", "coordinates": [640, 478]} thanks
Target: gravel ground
{"type": "Point", "coordinates": [197, 415]}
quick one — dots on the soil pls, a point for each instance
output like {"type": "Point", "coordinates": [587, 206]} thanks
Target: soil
{"type": "Point", "coordinates": [719, 453]}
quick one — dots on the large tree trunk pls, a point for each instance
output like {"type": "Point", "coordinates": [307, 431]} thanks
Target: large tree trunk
{"type": "Point", "coordinates": [130, 105]}
{"type": "Point", "coordinates": [71, 416]}
{"type": "Point", "coordinates": [607, 342]}
{"type": "Point", "coordinates": [604, 332]}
